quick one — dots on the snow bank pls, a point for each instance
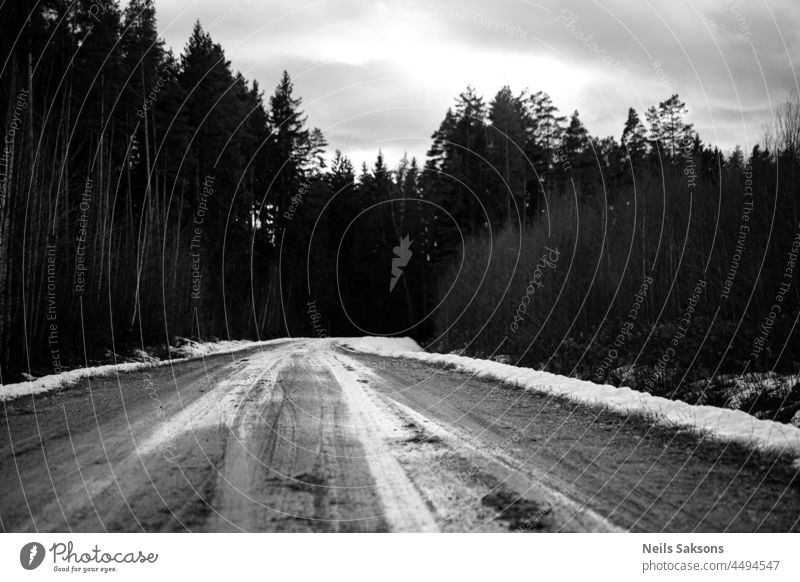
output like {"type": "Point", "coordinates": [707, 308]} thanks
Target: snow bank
{"type": "Point", "coordinates": [380, 345]}
{"type": "Point", "coordinates": [188, 350]}
{"type": "Point", "coordinates": [723, 423]}
{"type": "Point", "coordinates": [56, 381]}
{"type": "Point", "coordinates": [192, 349]}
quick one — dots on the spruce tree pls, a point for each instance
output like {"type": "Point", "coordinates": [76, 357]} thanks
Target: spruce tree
{"type": "Point", "coordinates": [289, 150]}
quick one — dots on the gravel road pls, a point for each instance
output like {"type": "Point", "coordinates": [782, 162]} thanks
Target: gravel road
{"type": "Point", "coordinates": [310, 436]}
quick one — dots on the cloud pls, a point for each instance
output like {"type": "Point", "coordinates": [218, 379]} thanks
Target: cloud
{"type": "Point", "coordinates": [382, 73]}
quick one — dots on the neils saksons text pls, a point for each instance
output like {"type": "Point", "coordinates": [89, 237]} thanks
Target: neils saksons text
{"type": "Point", "coordinates": [663, 548]}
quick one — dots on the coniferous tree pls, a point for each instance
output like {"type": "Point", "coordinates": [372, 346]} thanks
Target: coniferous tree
{"type": "Point", "coordinates": [634, 139]}
{"type": "Point", "coordinates": [576, 137]}
{"type": "Point", "coordinates": [468, 161]}
{"type": "Point", "coordinates": [289, 149]}
{"type": "Point", "coordinates": [668, 127]}
{"type": "Point", "coordinates": [341, 175]}
{"type": "Point", "coordinates": [507, 153]}
{"type": "Point", "coordinates": [546, 132]}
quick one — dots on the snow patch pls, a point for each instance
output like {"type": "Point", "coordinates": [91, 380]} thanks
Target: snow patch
{"type": "Point", "coordinates": [380, 345]}
{"type": "Point", "coordinates": [191, 349]}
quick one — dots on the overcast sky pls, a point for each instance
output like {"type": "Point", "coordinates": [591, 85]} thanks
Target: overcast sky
{"type": "Point", "coordinates": [381, 74]}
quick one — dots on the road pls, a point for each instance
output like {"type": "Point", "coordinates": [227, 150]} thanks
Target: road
{"type": "Point", "coordinates": [308, 435]}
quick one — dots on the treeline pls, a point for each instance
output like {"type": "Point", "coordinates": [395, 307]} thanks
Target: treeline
{"type": "Point", "coordinates": [147, 195]}
{"type": "Point", "coordinates": [653, 260]}
{"type": "Point", "coordinates": [500, 163]}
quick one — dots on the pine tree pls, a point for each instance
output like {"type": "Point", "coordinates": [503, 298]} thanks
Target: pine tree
{"type": "Point", "coordinates": [507, 153]}
{"type": "Point", "coordinates": [634, 138]}
{"type": "Point", "coordinates": [546, 131]}
{"type": "Point", "coordinates": [735, 161]}
{"type": "Point", "coordinates": [668, 127]}
{"type": "Point", "coordinates": [381, 183]}
{"type": "Point", "coordinates": [341, 176]}
{"type": "Point", "coordinates": [576, 137]}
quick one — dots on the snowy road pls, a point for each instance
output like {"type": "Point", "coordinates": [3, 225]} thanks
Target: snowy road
{"type": "Point", "coordinates": [310, 436]}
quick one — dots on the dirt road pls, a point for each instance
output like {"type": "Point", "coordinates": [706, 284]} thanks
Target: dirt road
{"type": "Point", "coordinates": [310, 436]}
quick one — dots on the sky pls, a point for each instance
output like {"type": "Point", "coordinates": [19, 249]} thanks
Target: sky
{"type": "Point", "coordinates": [380, 74]}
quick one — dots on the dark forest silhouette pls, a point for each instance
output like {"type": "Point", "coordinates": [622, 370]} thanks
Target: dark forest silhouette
{"type": "Point", "coordinates": [148, 196]}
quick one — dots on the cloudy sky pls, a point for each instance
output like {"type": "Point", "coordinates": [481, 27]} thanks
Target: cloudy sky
{"type": "Point", "coordinates": [381, 74]}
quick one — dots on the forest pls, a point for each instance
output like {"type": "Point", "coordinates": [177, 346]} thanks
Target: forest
{"type": "Point", "coordinates": [147, 196]}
